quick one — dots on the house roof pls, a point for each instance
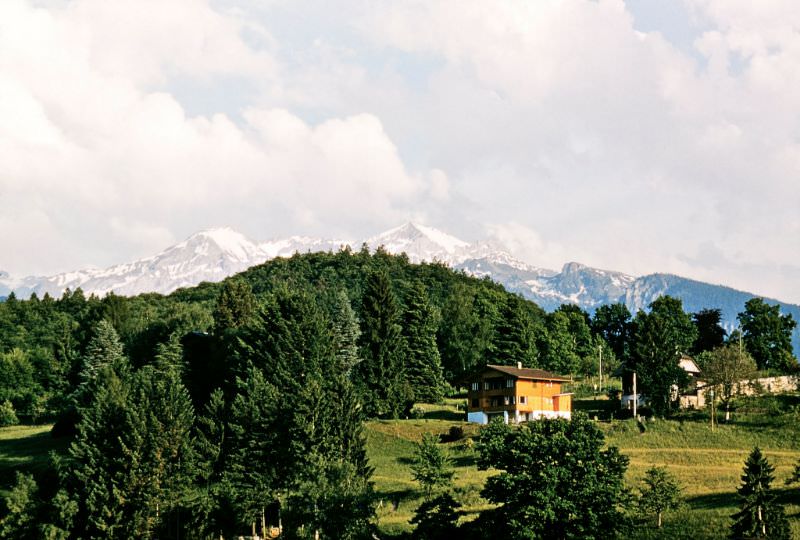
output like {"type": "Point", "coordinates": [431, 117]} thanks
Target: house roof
{"type": "Point", "coordinates": [688, 364]}
{"type": "Point", "coordinates": [527, 373]}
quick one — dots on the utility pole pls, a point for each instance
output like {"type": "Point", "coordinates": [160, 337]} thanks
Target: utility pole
{"type": "Point", "coordinates": [600, 348]}
{"type": "Point", "coordinates": [635, 396]}
{"type": "Point", "coordinates": [711, 393]}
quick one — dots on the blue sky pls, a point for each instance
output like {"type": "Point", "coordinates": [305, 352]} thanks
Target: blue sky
{"type": "Point", "coordinates": [639, 136]}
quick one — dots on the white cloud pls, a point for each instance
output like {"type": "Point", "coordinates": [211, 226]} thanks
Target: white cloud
{"type": "Point", "coordinates": [117, 167]}
{"type": "Point", "coordinates": [560, 122]}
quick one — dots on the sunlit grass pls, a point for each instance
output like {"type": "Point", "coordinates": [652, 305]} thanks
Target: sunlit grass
{"type": "Point", "coordinates": [707, 464]}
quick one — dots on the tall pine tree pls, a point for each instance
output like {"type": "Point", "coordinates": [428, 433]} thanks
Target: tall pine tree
{"type": "Point", "coordinates": [760, 515]}
{"type": "Point", "coordinates": [423, 363]}
{"type": "Point", "coordinates": [381, 374]}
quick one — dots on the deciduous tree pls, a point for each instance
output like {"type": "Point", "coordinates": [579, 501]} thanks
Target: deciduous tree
{"type": "Point", "coordinates": [557, 480]}
{"type": "Point", "coordinates": [660, 493]}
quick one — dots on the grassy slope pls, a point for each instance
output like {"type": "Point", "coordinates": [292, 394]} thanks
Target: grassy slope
{"type": "Point", "coordinates": [24, 449]}
{"type": "Point", "coordinates": [708, 465]}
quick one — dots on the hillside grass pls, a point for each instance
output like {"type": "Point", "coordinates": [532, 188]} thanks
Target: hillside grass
{"type": "Point", "coordinates": [25, 449]}
{"type": "Point", "coordinates": [707, 464]}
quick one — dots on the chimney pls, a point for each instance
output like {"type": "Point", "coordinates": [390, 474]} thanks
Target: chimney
{"type": "Point", "coordinates": [519, 365]}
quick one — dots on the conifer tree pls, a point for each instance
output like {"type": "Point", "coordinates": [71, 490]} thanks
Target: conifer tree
{"type": "Point", "coordinates": [157, 447]}
{"type": "Point", "coordinates": [97, 467]}
{"type": "Point", "coordinates": [381, 373]}
{"type": "Point", "coordinates": [210, 509]}
{"type": "Point", "coordinates": [259, 464]}
{"type": "Point", "coordinates": [431, 466]}
{"type": "Point", "coordinates": [346, 333]}
{"type": "Point", "coordinates": [19, 520]}
{"type": "Point", "coordinates": [235, 305]}
{"type": "Point", "coordinates": [514, 339]}
{"type": "Point", "coordinates": [423, 363]}
{"type": "Point", "coordinates": [760, 515]}
{"type": "Point", "coordinates": [104, 359]}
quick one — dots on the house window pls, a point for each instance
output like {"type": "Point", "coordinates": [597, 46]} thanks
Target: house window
{"type": "Point", "coordinates": [509, 383]}
{"type": "Point", "coordinates": [509, 400]}
{"type": "Point", "coordinates": [486, 385]}
{"type": "Point", "coordinates": [476, 386]}
{"type": "Point", "coordinates": [523, 400]}
{"type": "Point", "coordinates": [475, 403]}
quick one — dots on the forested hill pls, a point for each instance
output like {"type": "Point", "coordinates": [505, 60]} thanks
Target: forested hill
{"type": "Point", "coordinates": [471, 322]}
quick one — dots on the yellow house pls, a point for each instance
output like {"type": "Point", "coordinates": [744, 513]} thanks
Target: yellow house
{"type": "Point", "coordinates": [516, 394]}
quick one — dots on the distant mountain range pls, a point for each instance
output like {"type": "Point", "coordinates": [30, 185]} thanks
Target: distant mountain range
{"type": "Point", "coordinates": [214, 254]}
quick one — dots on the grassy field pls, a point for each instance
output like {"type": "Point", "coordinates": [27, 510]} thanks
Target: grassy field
{"type": "Point", "coordinates": [24, 449]}
{"type": "Point", "coordinates": [708, 465]}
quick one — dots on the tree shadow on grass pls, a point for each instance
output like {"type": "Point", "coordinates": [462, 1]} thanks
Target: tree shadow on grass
{"type": "Point", "coordinates": [451, 416]}
{"type": "Point", "coordinates": [713, 501]}
{"type": "Point", "coordinates": [730, 499]}
{"type": "Point", "coordinates": [29, 454]}
{"type": "Point", "coordinates": [464, 461]}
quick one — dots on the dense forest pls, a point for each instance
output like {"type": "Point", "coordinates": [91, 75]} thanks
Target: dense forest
{"type": "Point", "coordinates": [228, 407]}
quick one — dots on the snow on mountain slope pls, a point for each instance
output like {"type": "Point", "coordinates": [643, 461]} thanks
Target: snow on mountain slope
{"type": "Point", "coordinates": [214, 254]}
{"type": "Point", "coordinates": [421, 243]}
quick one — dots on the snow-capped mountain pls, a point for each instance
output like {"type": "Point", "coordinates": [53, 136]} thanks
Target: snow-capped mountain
{"type": "Point", "coordinates": [210, 255]}
{"type": "Point", "coordinates": [214, 254]}
{"type": "Point", "coordinates": [421, 243]}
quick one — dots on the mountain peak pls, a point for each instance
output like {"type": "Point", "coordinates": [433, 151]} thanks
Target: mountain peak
{"type": "Point", "coordinates": [572, 267]}
{"type": "Point", "coordinates": [428, 241]}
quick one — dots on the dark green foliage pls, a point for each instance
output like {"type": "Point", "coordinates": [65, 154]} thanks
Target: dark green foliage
{"type": "Point", "coordinates": [768, 335]}
{"type": "Point", "coordinates": [557, 481]}
{"type": "Point", "coordinates": [235, 305]}
{"type": "Point", "coordinates": [259, 451]}
{"type": "Point", "coordinates": [436, 518]}
{"type": "Point", "coordinates": [8, 417]}
{"type": "Point", "coordinates": [21, 507]}
{"type": "Point", "coordinates": [431, 466]}
{"type": "Point", "coordinates": [346, 333]}
{"type": "Point", "coordinates": [423, 365]}
{"type": "Point", "coordinates": [760, 515]}
{"type": "Point", "coordinates": [466, 329]}
{"type": "Point", "coordinates": [710, 333]}
{"type": "Point", "coordinates": [613, 324]}
{"type": "Point", "coordinates": [381, 373]}
{"type": "Point", "coordinates": [296, 421]}
{"type": "Point", "coordinates": [514, 338]}
{"type": "Point", "coordinates": [660, 493]}
{"type": "Point", "coordinates": [661, 336]}
{"type": "Point", "coordinates": [210, 508]}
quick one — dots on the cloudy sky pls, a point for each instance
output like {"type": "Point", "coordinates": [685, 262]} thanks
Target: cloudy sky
{"type": "Point", "coordinates": [639, 136]}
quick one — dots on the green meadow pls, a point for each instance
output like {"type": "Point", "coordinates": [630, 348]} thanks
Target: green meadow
{"type": "Point", "coordinates": [708, 464]}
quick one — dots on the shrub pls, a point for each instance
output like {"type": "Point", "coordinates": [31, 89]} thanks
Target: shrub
{"type": "Point", "coordinates": [8, 417]}
{"type": "Point", "coordinates": [417, 413]}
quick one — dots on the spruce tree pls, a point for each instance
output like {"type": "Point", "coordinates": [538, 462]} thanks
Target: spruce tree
{"type": "Point", "coordinates": [431, 466]}
{"type": "Point", "coordinates": [346, 333]}
{"type": "Point", "coordinates": [210, 509]}
{"type": "Point", "coordinates": [235, 305]}
{"type": "Point", "coordinates": [157, 445]}
{"type": "Point", "coordinates": [98, 467]}
{"type": "Point", "coordinates": [103, 360]}
{"type": "Point", "coordinates": [381, 373]}
{"type": "Point", "coordinates": [423, 363]}
{"type": "Point", "coordinates": [514, 340]}
{"type": "Point", "coordinates": [760, 515]}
